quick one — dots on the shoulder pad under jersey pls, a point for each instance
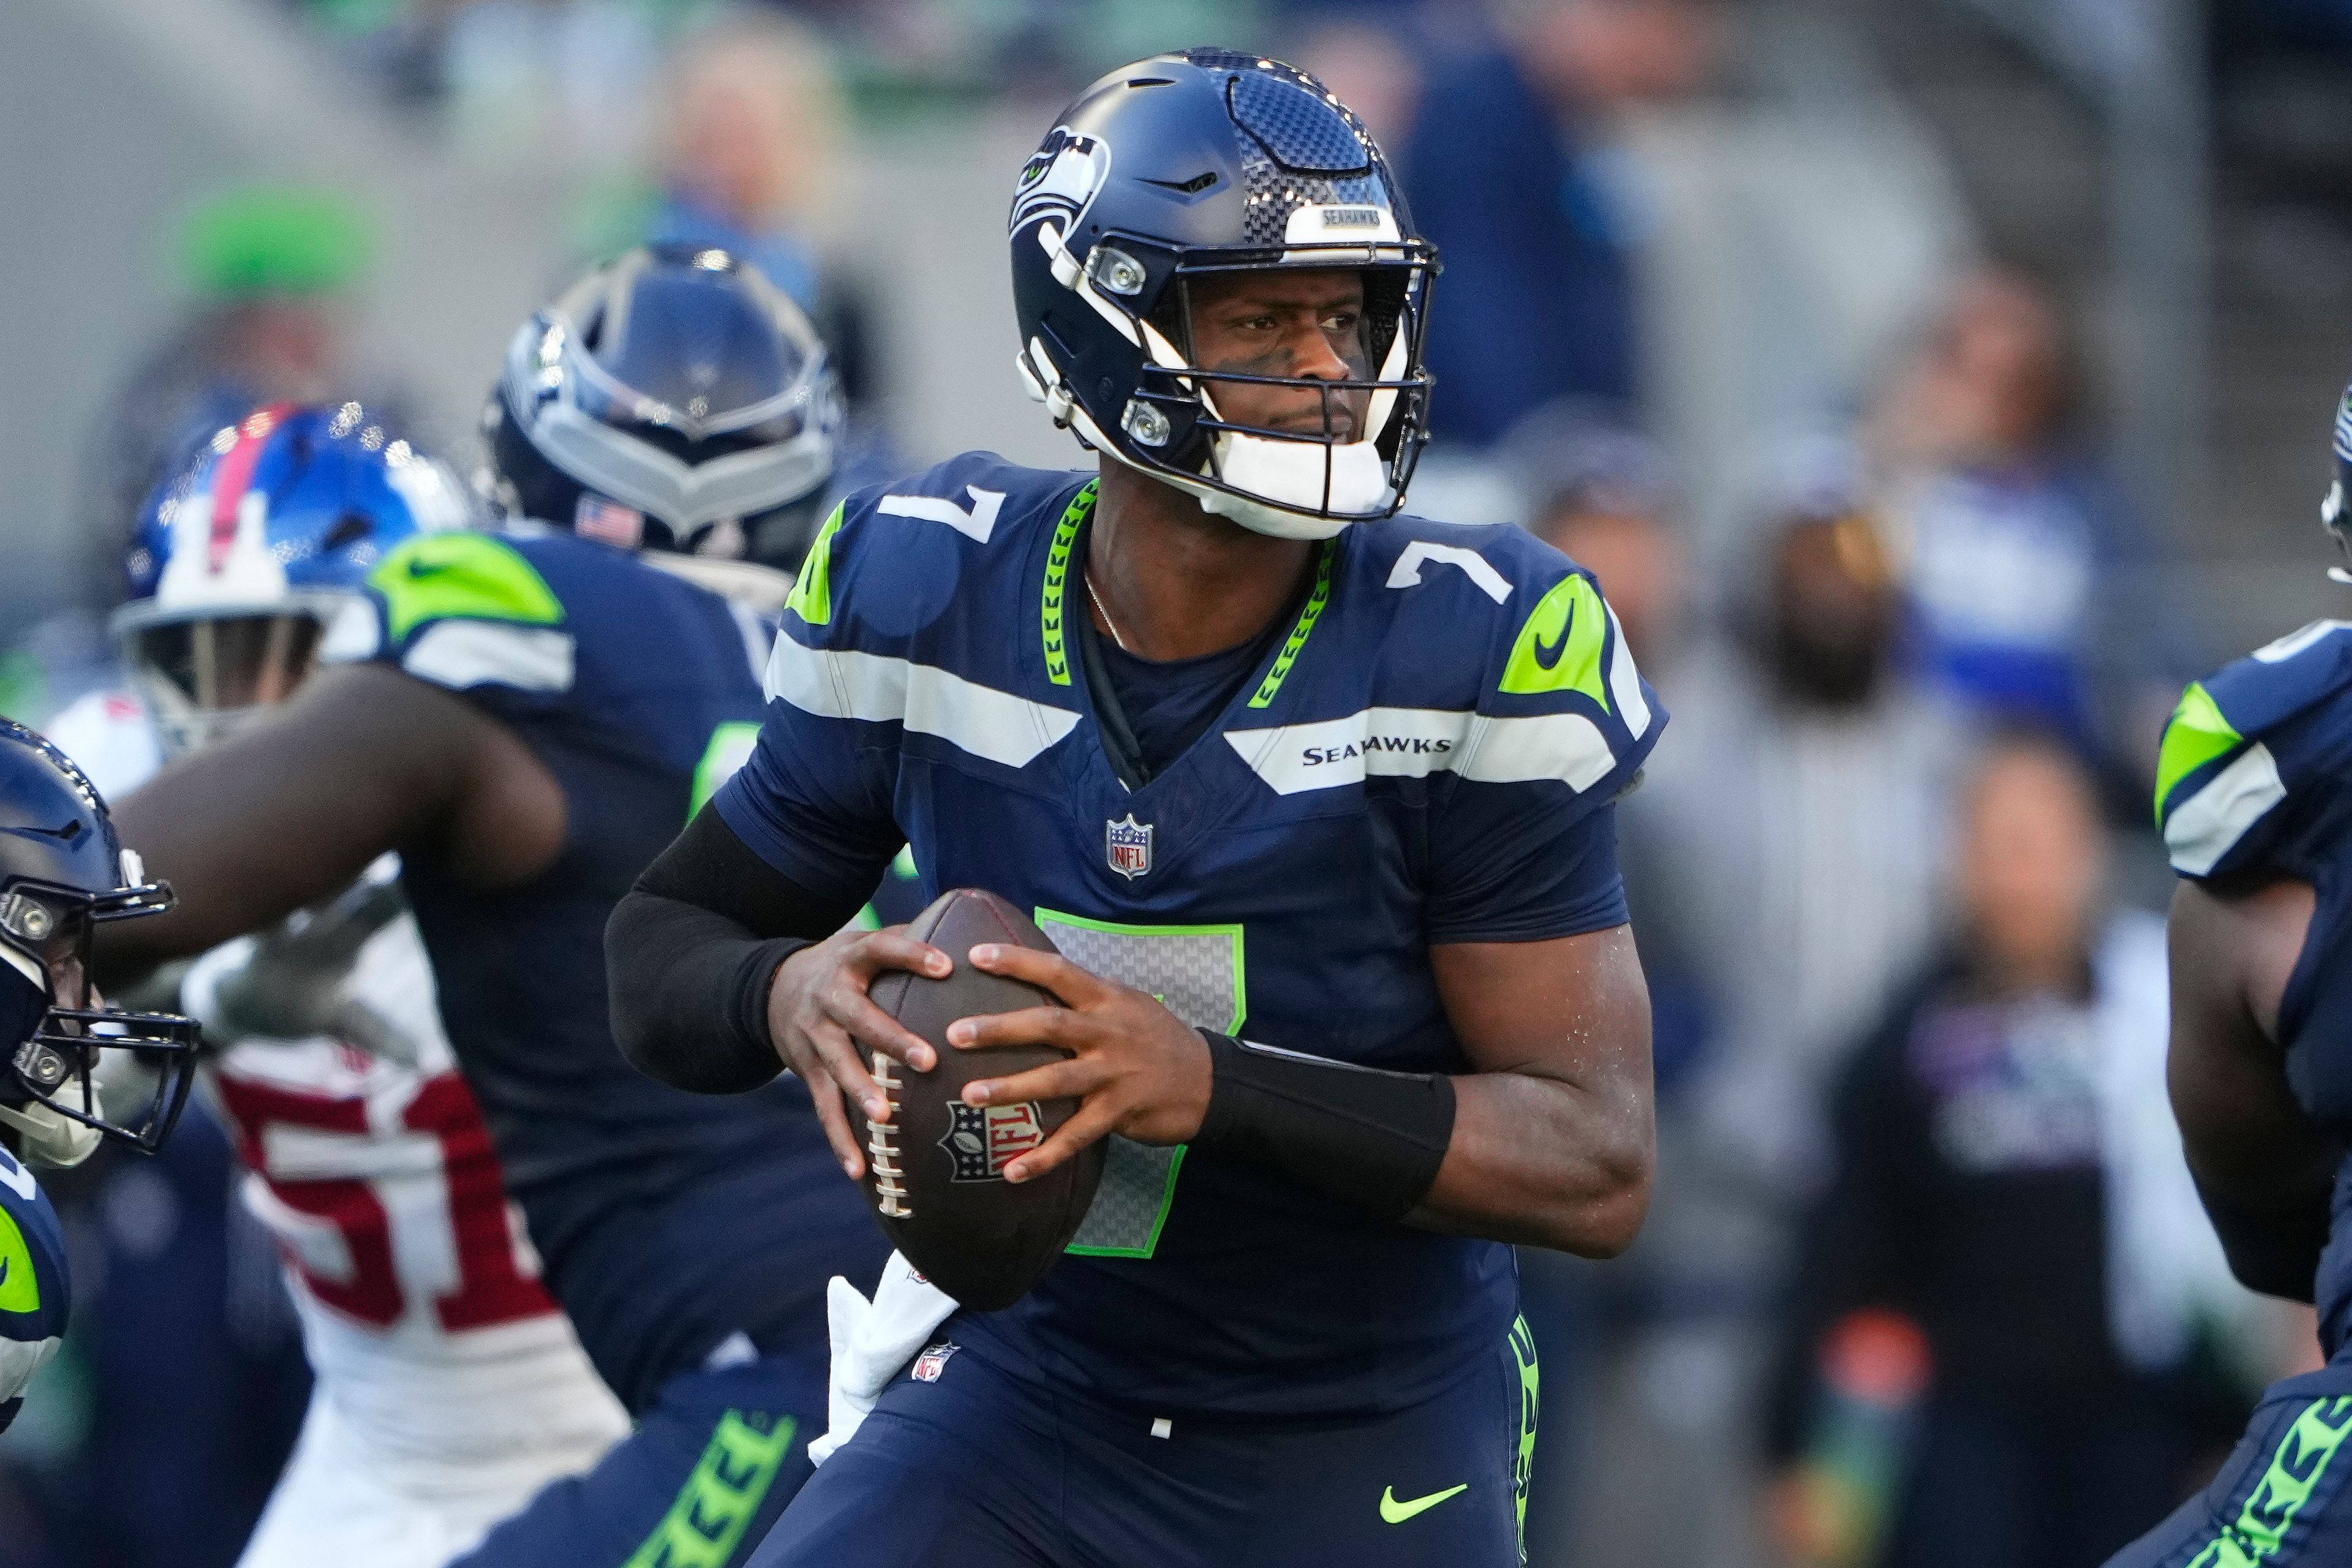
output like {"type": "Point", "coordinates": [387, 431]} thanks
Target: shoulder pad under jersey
{"type": "Point", "coordinates": [2253, 769]}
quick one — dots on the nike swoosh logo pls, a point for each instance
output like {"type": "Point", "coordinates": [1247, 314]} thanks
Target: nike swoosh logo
{"type": "Point", "coordinates": [1395, 1512]}
{"type": "Point", "coordinates": [1548, 653]}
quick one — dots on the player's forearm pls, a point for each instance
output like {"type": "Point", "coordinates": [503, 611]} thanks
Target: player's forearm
{"type": "Point", "coordinates": [1545, 1163]}
{"type": "Point", "coordinates": [1555, 1136]}
{"type": "Point", "coordinates": [689, 955]}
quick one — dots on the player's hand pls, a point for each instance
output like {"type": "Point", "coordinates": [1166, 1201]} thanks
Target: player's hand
{"type": "Point", "coordinates": [818, 1010]}
{"type": "Point", "coordinates": [1136, 1068]}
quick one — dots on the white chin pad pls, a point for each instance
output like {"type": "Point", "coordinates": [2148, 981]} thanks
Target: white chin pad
{"type": "Point", "coordinates": [1286, 484]}
{"type": "Point", "coordinates": [49, 1139]}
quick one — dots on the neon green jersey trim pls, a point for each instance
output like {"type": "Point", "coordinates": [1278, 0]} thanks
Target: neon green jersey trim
{"type": "Point", "coordinates": [1235, 1008]}
{"type": "Point", "coordinates": [721, 1499]}
{"type": "Point", "coordinates": [1057, 575]}
{"type": "Point", "coordinates": [20, 1285]}
{"type": "Point", "coordinates": [474, 576]}
{"type": "Point", "coordinates": [1313, 611]}
{"type": "Point", "coordinates": [2304, 1456]}
{"type": "Point", "coordinates": [2196, 735]}
{"type": "Point", "coordinates": [1560, 647]}
{"type": "Point", "coordinates": [730, 748]}
{"type": "Point", "coordinates": [812, 596]}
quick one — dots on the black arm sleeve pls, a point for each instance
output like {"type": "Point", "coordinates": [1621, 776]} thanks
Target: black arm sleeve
{"type": "Point", "coordinates": [1357, 1134]}
{"type": "Point", "coordinates": [689, 954]}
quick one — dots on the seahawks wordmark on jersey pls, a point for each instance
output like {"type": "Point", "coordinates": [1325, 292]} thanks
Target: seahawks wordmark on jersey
{"type": "Point", "coordinates": [1421, 759]}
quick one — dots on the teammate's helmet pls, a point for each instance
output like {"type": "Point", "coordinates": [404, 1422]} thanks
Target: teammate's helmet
{"type": "Point", "coordinates": [61, 872]}
{"type": "Point", "coordinates": [2333, 510]}
{"type": "Point", "coordinates": [1208, 162]}
{"type": "Point", "coordinates": [673, 399]}
{"type": "Point", "coordinates": [240, 562]}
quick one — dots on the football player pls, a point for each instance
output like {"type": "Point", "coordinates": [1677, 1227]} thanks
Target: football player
{"type": "Point", "coordinates": [447, 1385]}
{"type": "Point", "coordinates": [527, 717]}
{"type": "Point", "coordinates": [2254, 792]}
{"type": "Point", "coordinates": [69, 1064]}
{"type": "Point", "coordinates": [1315, 801]}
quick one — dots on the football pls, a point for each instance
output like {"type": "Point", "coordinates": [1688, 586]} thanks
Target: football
{"type": "Point", "coordinates": [935, 1172]}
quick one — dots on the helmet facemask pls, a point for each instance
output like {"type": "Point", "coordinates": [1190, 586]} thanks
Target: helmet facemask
{"type": "Point", "coordinates": [1295, 483]}
{"type": "Point", "coordinates": [207, 675]}
{"type": "Point", "coordinates": [80, 1071]}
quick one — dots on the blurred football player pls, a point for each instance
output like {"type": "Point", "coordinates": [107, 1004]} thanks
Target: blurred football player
{"type": "Point", "coordinates": [2254, 792]}
{"type": "Point", "coordinates": [1267, 760]}
{"type": "Point", "coordinates": [448, 1388]}
{"type": "Point", "coordinates": [527, 717]}
{"type": "Point", "coordinates": [70, 1065]}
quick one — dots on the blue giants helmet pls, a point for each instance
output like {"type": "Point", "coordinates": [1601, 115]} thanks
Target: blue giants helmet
{"type": "Point", "coordinates": [72, 1069]}
{"type": "Point", "coordinates": [240, 564]}
{"type": "Point", "coordinates": [675, 399]}
{"type": "Point", "coordinates": [1203, 162]}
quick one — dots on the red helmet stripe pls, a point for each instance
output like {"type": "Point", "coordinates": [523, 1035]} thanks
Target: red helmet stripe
{"type": "Point", "coordinates": [234, 476]}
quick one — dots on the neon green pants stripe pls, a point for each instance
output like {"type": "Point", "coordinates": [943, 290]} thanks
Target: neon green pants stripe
{"type": "Point", "coordinates": [706, 1524]}
{"type": "Point", "coordinates": [1523, 1462]}
{"type": "Point", "coordinates": [2259, 1533]}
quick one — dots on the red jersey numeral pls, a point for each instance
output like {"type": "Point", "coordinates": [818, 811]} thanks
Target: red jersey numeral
{"type": "Point", "coordinates": [492, 1286]}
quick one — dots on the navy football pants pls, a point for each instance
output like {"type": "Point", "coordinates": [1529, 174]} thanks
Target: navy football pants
{"type": "Point", "coordinates": [983, 1469]}
{"type": "Point", "coordinates": [696, 1485]}
{"type": "Point", "coordinates": [2281, 1499]}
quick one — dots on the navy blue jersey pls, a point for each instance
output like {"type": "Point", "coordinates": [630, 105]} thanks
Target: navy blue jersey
{"type": "Point", "coordinates": [1418, 760]}
{"type": "Point", "coordinates": [669, 1222]}
{"type": "Point", "coordinates": [34, 1297]}
{"type": "Point", "coordinates": [2255, 778]}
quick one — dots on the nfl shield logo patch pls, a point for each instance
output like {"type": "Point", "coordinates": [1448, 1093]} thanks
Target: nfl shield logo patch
{"type": "Point", "coordinates": [1127, 846]}
{"type": "Point", "coordinates": [934, 1361]}
{"type": "Point", "coordinates": [983, 1139]}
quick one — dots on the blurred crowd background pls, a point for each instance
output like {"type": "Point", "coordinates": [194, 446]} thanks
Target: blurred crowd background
{"type": "Point", "coordinates": [1934, 388]}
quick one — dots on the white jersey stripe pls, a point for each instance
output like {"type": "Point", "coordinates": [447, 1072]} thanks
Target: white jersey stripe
{"type": "Point", "coordinates": [980, 719]}
{"type": "Point", "coordinates": [461, 653]}
{"type": "Point", "coordinates": [1413, 742]}
{"type": "Point", "coordinates": [2202, 829]}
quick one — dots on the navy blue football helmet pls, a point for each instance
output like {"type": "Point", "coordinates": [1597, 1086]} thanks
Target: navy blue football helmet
{"type": "Point", "coordinates": [240, 564]}
{"type": "Point", "coordinates": [72, 1069]}
{"type": "Point", "coordinates": [675, 399]}
{"type": "Point", "coordinates": [1203, 162]}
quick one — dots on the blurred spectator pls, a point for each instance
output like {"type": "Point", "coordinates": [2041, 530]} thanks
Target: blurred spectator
{"type": "Point", "coordinates": [2009, 1192]}
{"type": "Point", "coordinates": [2013, 541]}
{"type": "Point", "coordinates": [1597, 491]}
{"type": "Point", "coordinates": [270, 271]}
{"type": "Point", "coordinates": [1512, 174]}
{"type": "Point", "coordinates": [1800, 818]}
{"type": "Point", "coordinates": [748, 159]}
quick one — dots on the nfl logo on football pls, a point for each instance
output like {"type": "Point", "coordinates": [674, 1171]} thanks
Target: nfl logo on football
{"type": "Point", "coordinates": [1127, 846]}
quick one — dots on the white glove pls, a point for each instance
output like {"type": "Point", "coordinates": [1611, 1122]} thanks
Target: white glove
{"type": "Point", "coordinates": [871, 1339]}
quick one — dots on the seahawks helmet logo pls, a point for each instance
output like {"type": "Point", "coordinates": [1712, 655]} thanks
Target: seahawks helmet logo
{"type": "Point", "coordinates": [1059, 180]}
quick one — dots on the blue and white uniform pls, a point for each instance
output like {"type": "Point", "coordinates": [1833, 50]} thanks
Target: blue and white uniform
{"type": "Point", "coordinates": [35, 1297]}
{"type": "Point", "coordinates": [1426, 755]}
{"type": "Point", "coordinates": [688, 1239]}
{"type": "Point", "coordinates": [2254, 779]}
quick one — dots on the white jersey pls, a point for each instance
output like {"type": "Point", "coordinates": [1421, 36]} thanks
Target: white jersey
{"type": "Point", "coordinates": [447, 1380]}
